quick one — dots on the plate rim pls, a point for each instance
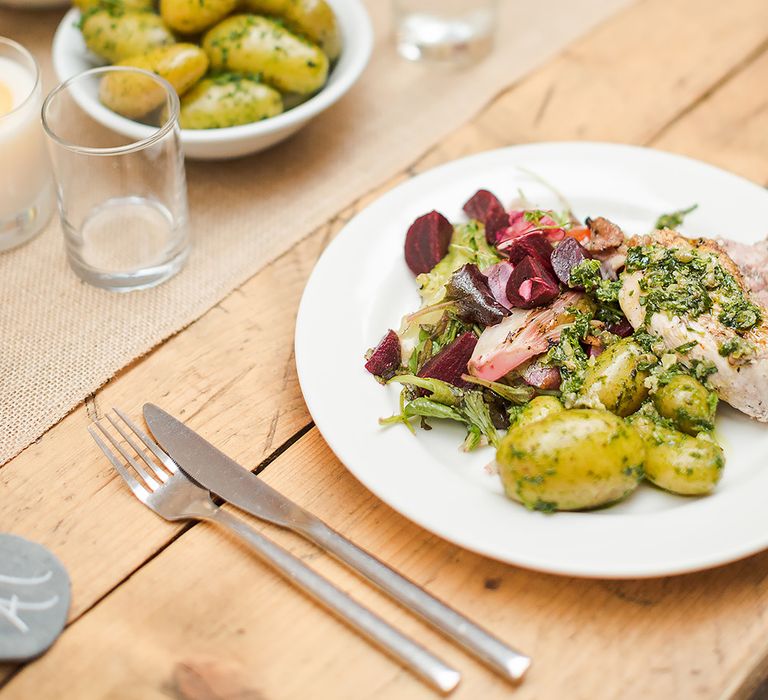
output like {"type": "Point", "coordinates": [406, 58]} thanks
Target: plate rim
{"type": "Point", "coordinates": [747, 548]}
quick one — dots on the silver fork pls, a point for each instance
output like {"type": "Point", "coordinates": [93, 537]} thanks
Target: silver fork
{"type": "Point", "coordinates": [174, 496]}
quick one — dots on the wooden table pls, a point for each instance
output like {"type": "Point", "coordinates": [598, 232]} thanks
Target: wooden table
{"type": "Point", "coordinates": [169, 611]}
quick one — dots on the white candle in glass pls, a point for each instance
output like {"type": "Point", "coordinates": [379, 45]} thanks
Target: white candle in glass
{"type": "Point", "coordinates": [25, 172]}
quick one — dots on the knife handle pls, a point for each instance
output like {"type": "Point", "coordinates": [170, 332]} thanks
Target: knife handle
{"type": "Point", "coordinates": [503, 659]}
{"type": "Point", "coordinates": [410, 654]}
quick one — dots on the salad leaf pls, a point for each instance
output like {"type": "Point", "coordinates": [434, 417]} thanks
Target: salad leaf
{"type": "Point", "coordinates": [468, 245]}
{"type": "Point", "coordinates": [515, 394]}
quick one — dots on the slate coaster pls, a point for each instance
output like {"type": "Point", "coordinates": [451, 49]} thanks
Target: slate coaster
{"type": "Point", "coordinates": [34, 598]}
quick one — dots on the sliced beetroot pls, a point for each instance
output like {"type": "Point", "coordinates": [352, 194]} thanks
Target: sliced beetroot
{"type": "Point", "coordinates": [498, 276]}
{"type": "Point", "coordinates": [533, 244]}
{"type": "Point", "coordinates": [568, 254]}
{"type": "Point", "coordinates": [531, 284]}
{"type": "Point", "coordinates": [451, 362]}
{"type": "Point", "coordinates": [386, 357]}
{"type": "Point", "coordinates": [542, 376]}
{"type": "Point", "coordinates": [486, 207]}
{"type": "Point", "coordinates": [623, 328]}
{"type": "Point", "coordinates": [468, 287]}
{"type": "Point", "coordinates": [427, 241]}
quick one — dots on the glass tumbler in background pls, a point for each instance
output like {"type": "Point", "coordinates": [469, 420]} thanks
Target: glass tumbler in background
{"type": "Point", "coordinates": [26, 187]}
{"type": "Point", "coordinates": [456, 31]}
{"type": "Point", "coordinates": [120, 181]}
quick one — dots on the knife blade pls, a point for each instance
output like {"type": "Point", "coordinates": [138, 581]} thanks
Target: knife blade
{"type": "Point", "coordinates": [220, 474]}
{"type": "Point", "coordinates": [223, 476]}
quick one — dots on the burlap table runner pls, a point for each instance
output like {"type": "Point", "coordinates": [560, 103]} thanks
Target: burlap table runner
{"type": "Point", "coordinates": [62, 339]}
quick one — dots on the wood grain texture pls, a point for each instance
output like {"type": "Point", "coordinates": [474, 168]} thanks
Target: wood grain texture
{"type": "Point", "coordinates": [664, 638]}
{"type": "Point", "coordinates": [650, 75]}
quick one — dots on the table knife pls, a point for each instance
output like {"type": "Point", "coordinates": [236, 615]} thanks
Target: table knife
{"type": "Point", "coordinates": [236, 484]}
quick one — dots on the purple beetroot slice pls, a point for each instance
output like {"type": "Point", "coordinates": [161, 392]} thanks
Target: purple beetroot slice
{"type": "Point", "coordinates": [498, 276]}
{"type": "Point", "coordinates": [566, 256]}
{"type": "Point", "coordinates": [386, 357]}
{"type": "Point", "coordinates": [427, 241]}
{"type": "Point", "coordinates": [531, 284]}
{"type": "Point", "coordinates": [474, 300]}
{"type": "Point", "coordinates": [621, 328]}
{"type": "Point", "coordinates": [486, 207]}
{"type": "Point", "coordinates": [533, 244]}
{"type": "Point", "coordinates": [451, 362]}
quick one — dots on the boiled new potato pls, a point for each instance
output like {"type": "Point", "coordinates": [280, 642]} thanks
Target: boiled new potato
{"type": "Point", "coordinates": [193, 16]}
{"type": "Point", "coordinates": [115, 35]}
{"type": "Point", "coordinates": [571, 460]}
{"type": "Point", "coordinates": [690, 466]}
{"type": "Point", "coordinates": [228, 101]}
{"type": "Point", "coordinates": [536, 409]}
{"type": "Point", "coordinates": [687, 403]}
{"type": "Point", "coordinates": [133, 95]}
{"type": "Point", "coordinates": [251, 44]}
{"type": "Point", "coordinates": [312, 18]}
{"type": "Point", "coordinates": [88, 5]}
{"type": "Point", "coordinates": [616, 381]}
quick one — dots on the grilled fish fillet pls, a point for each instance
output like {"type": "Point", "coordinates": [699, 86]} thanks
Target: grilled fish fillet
{"type": "Point", "coordinates": [742, 382]}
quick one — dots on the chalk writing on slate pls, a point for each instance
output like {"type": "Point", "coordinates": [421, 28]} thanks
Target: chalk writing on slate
{"type": "Point", "coordinates": [34, 598]}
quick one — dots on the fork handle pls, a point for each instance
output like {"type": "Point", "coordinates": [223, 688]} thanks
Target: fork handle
{"type": "Point", "coordinates": [509, 663]}
{"type": "Point", "coordinates": [413, 656]}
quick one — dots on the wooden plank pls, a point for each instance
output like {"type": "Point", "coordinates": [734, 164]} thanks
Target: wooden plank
{"type": "Point", "coordinates": [666, 638]}
{"type": "Point", "coordinates": [729, 127]}
{"type": "Point", "coordinates": [85, 518]}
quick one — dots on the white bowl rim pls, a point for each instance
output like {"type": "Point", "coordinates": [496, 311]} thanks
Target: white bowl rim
{"type": "Point", "coordinates": [357, 34]}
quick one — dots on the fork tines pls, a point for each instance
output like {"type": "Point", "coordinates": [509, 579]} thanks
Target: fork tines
{"type": "Point", "coordinates": [149, 479]}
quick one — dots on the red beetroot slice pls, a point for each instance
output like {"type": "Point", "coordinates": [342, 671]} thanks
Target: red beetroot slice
{"type": "Point", "coordinates": [386, 357]}
{"type": "Point", "coordinates": [531, 284]}
{"type": "Point", "coordinates": [486, 207]}
{"type": "Point", "coordinates": [498, 276]}
{"type": "Point", "coordinates": [451, 362]}
{"type": "Point", "coordinates": [427, 241]}
{"type": "Point", "coordinates": [542, 376]}
{"type": "Point", "coordinates": [533, 244]}
{"type": "Point", "coordinates": [566, 256]}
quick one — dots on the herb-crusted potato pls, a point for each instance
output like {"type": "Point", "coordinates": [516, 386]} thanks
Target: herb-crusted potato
{"type": "Point", "coordinates": [228, 101]}
{"type": "Point", "coordinates": [182, 65]}
{"type": "Point", "coordinates": [115, 35]}
{"type": "Point", "coordinates": [537, 409]}
{"type": "Point", "coordinates": [616, 381]}
{"type": "Point", "coordinates": [571, 460]}
{"type": "Point", "coordinates": [312, 18]}
{"type": "Point", "coordinates": [251, 44]}
{"type": "Point", "coordinates": [133, 95]}
{"type": "Point", "coordinates": [687, 403]}
{"type": "Point", "coordinates": [194, 16]}
{"type": "Point", "coordinates": [690, 466]}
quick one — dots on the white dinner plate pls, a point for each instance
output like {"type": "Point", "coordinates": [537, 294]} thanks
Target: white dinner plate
{"type": "Point", "coordinates": [361, 287]}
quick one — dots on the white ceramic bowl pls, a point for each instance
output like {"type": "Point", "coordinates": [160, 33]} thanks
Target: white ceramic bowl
{"type": "Point", "coordinates": [70, 57]}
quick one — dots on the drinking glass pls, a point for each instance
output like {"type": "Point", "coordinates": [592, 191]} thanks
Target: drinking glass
{"type": "Point", "coordinates": [457, 31]}
{"type": "Point", "coordinates": [121, 186]}
{"type": "Point", "coordinates": [26, 187]}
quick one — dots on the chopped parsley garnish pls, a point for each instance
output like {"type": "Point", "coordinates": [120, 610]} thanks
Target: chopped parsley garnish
{"type": "Point", "coordinates": [605, 293]}
{"type": "Point", "coordinates": [686, 282]}
{"type": "Point", "coordinates": [674, 219]}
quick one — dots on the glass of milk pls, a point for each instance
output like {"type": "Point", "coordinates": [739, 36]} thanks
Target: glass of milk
{"type": "Point", "coordinates": [26, 187]}
{"type": "Point", "coordinates": [120, 179]}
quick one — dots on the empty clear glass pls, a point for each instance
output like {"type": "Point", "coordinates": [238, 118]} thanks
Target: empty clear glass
{"type": "Point", "coordinates": [26, 187]}
{"type": "Point", "coordinates": [120, 181]}
{"type": "Point", "coordinates": [457, 31]}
